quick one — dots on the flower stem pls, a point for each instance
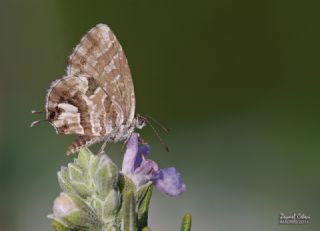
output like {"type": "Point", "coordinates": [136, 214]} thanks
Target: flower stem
{"type": "Point", "coordinates": [186, 222]}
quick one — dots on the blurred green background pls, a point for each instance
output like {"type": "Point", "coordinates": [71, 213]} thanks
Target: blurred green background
{"type": "Point", "coordinates": [236, 81]}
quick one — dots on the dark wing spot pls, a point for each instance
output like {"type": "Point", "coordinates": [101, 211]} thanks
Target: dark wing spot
{"type": "Point", "coordinates": [63, 128]}
{"type": "Point", "coordinates": [109, 109]}
{"type": "Point", "coordinates": [107, 104]}
{"type": "Point", "coordinates": [113, 116]}
{"type": "Point", "coordinates": [54, 114]}
{"type": "Point", "coordinates": [93, 85]}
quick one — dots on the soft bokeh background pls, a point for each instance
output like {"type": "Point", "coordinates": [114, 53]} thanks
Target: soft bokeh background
{"type": "Point", "coordinates": [236, 81]}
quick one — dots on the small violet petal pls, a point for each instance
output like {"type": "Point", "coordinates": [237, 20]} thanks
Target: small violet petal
{"type": "Point", "coordinates": [131, 158]}
{"type": "Point", "coordinates": [169, 182]}
{"type": "Point", "coordinates": [141, 170]}
{"type": "Point", "coordinates": [144, 149]}
{"type": "Point", "coordinates": [144, 172]}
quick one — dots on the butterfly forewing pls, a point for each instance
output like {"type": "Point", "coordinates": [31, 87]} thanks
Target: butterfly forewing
{"type": "Point", "coordinates": [100, 55]}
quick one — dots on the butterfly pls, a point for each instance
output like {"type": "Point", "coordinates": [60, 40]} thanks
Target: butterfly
{"type": "Point", "coordinates": [95, 98]}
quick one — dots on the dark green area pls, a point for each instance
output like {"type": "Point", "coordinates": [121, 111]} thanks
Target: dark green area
{"type": "Point", "coordinates": [236, 81]}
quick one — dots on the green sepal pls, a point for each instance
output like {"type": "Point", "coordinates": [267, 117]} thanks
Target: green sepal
{"type": "Point", "coordinates": [58, 226]}
{"type": "Point", "coordinates": [141, 192]}
{"type": "Point", "coordinates": [186, 222]}
{"type": "Point", "coordinates": [64, 182]}
{"type": "Point", "coordinates": [72, 180]}
{"type": "Point", "coordinates": [111, 204]}
{"type": "Point", "coordinates": [75, 173]}
{"type": "Point", "coordinates": [106, 176]}
{"type": "Point", "coordinates": [92, 166]}
{"type": "Point", "coordinates": [87, 217]}
{"type": "Point", "coordinates": [106, 209]}
{"type": "Point", "coordinates": [126, 185]}
{"type": "Point", "coordinates": [82, 189]}
{"type": "Point", "coordinates": [83, 158]}
{"type": "Point", "coordinates": [110, 228]}
{"type": "Point", "coordinates": [97, 205]}
{"type": "Point", "coordinates": [127, 188]}
{"type": "Point", "coordinates": [143, 196]}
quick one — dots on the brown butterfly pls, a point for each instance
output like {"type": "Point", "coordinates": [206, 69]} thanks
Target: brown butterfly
{"type": "Point", "coordinates": [95, 99]}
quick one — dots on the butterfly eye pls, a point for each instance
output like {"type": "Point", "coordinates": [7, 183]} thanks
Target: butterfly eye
{"type": "Point", "coordinates": [141, 122]}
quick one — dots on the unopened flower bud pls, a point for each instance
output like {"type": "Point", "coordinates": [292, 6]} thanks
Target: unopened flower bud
{"type": "Point", "coordinates": [63, 206]}
{"type": "Point", "coordinates": [72, 212]}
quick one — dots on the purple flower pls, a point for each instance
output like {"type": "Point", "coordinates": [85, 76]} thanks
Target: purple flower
{"type": "Point", "coordinates": [141, 170]}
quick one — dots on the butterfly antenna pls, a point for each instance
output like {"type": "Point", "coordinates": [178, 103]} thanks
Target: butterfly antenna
{"type": "Point", "coordinates": [34, 123]}
{"type": "Point", "coordinates": [36, 112]}
{"type": "Point", "coordinates": [124, 145]}
{"type": "Point", "coordinates": [167, 130]}
{"type": "Point", "coordinates": [157, 134]}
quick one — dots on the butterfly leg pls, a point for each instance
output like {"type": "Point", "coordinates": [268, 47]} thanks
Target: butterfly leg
{"type": "Point", "coordinates": [81, 142]}
{"type": "Point", "coordinates": [103, 147]}
{"type": "Point", "coordinates": [124, 144]}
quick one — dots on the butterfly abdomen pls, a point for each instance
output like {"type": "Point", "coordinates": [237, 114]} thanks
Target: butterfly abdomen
{"type": "Point", "coordinates": [81, 142]}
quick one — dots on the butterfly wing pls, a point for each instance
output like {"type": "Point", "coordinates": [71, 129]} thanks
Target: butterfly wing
{"type": "Point", "coordinates": [99, 55]}
{"type": "Point", "coordinates": [97, 95]}
{"type": "Point", "coordinates": [72, 111]}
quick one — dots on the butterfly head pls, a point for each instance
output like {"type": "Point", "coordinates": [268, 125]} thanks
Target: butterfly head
{"type": "Point", "coordinates": [140, 121]}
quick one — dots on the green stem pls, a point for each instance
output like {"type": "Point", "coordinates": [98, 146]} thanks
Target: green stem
{"type": "Point", "coordinates": [146, 229]}
{"type": "Point", "coordinates": [186, 222]}
{"type": "Point", "coordinates": [129, 215]}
